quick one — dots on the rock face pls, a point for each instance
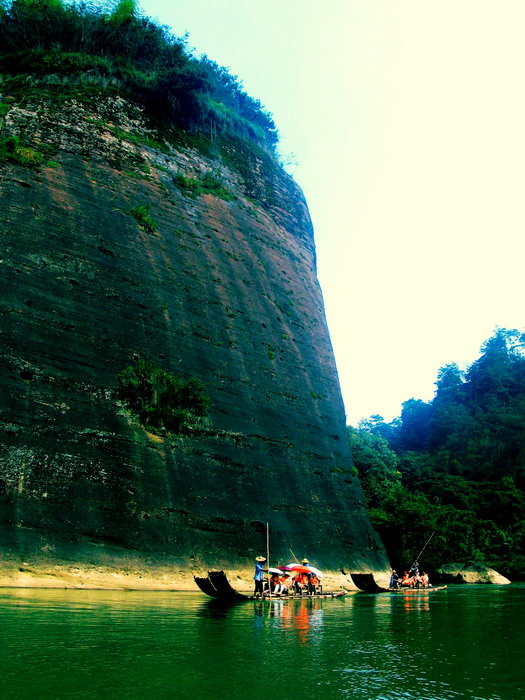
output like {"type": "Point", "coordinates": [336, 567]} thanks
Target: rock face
{"type": "Point", "coordinates": [470, 572]}
{"type": "Point", "coordinates": [218, 288]}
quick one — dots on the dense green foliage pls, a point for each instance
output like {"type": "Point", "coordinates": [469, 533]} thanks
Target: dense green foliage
{"type": "Point", "coordinates": [163, 402]}
{"type": "Point", "coordinates": [454, 466]}
{"type": "Point", "coordinates": [110, 44]}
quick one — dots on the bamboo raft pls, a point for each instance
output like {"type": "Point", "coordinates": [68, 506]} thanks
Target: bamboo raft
{"type": "Point", "coordinates": [366, 582]}
{"type": "Point", "coordinates": [407, 589]}
{"type": "Point", "coordinates": [217, 585]}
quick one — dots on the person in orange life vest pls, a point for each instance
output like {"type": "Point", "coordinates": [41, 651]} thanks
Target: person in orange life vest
{"type": "Point", "coordinates": [406, 580]}
{"type": "Point", "coordinates": [284, 583]}
{"type": "Point", "coordinates": [304, 578]}
{"type": "Point", "coordinates": [300, 582]}
{"type": "Point", "coordinates": [313, 582]}
{"type": "Point", "coordinates": [275, 584]}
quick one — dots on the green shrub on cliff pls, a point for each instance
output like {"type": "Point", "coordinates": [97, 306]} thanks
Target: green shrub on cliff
{"type": "Point", "coordinates": [142, 216]}
{"type": "Point", "coordinates": [162, 401]}
{"type": "Point", "coordinates": [8, 148]}
{"type": "Point", "coordinates": [11, 150]}
{"type": "Point", "coordinates": [85, 42]}
{"type": "Point", "coordinates": [193, 187]}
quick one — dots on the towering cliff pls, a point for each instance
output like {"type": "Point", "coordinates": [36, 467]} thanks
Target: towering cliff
{"type": "Point", "coordinates": [195, 253]}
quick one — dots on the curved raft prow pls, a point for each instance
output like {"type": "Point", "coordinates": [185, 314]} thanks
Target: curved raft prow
{"type": "Point", "coordinates": [217, 585]}
{"type": "Point", "coordinates": [366, 582]}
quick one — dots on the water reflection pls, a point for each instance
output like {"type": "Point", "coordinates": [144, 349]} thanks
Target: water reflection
{"type": "Point", "coordinates": [141, 645]}
{"type": "Point", "coordinates": [415, 602]}
{"type": "Point", "coordinates": [305, 617]}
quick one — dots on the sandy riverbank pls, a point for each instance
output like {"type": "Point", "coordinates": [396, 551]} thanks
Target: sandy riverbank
{"type": "Point", "coordinates": [14, 574]}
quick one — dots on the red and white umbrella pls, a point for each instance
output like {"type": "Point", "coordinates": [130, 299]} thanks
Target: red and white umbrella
{"type": "Point", "coordinates": [300, 568]}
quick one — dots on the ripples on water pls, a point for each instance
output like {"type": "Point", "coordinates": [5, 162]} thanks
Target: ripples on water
{"type": "Point", "coordinates": [465, 642]}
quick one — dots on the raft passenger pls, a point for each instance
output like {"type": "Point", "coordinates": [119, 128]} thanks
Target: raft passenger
{"type": "Point", "coordinates": [300, 582]}
{"type": "Point", "coordinates": [284, 584]}
{"type": "Point", "coordinates": [313, 582]}
{"type": "Point", "coordinates": [275, 584]}
{"type": "Point", "coordinates": [406, 580]}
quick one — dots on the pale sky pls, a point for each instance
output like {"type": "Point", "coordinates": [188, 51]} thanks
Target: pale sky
{"type": "Point", "coordinates": [407, 122]}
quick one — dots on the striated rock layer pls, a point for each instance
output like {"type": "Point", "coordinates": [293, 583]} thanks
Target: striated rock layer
{"type": "Point", "coordinates": [218, 289]}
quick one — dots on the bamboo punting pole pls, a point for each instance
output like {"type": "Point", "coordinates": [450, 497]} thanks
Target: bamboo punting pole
{"type": "Point", "coordinates": [416, 560]}
{"type": "Point", "coordinates": [268, 557]}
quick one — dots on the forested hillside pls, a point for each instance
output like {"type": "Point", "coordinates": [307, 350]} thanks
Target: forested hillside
{"type": "Point", "coordinates": [454, 466]}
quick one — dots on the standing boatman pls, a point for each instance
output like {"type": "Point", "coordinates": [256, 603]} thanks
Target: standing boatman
{"type": "Point", "coordinates": [258, 576]}
{"type": "Point", "coordinates": [414, 571]}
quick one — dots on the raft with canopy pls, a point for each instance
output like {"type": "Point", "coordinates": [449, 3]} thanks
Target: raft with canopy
{"type": "Point", "coordinates": [217, 585]}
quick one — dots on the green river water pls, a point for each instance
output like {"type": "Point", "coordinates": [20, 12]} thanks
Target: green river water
{"type": "Point", "coordinates": [463, 642]}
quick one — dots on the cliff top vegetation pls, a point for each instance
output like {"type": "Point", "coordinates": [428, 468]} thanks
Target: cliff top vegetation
{"type": "Point", "coordinates": [112, 46]}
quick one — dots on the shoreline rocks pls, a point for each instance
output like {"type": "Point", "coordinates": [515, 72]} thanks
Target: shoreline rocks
{"type": "Point", "coordinates": [470, 572]}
